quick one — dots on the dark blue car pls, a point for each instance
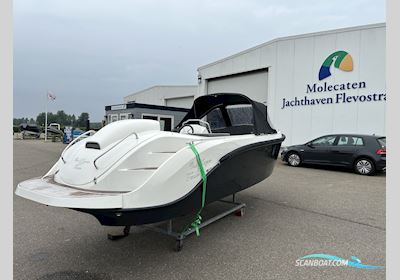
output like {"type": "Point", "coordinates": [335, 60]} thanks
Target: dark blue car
{"type": "Point", "coordinates": [366, 154]}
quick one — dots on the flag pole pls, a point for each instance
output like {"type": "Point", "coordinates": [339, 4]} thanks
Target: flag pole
{"type": "Point", "coordinates": [45, 122]}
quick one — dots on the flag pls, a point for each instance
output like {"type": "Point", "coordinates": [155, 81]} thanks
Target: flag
{"type": "Point", "coordinates": [51, 96]}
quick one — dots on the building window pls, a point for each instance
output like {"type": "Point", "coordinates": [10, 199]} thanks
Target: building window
{"type": "Point", "coordinates": [166, 122]}
{"type": "Point", "coordinates": [114, 118]}
{"type": "Point", "coordinates": [150, 117]}
{"type": "Point", "coordinates": [123, 116]}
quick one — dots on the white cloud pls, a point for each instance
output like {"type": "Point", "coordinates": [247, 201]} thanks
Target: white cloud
{"type": "Point", "coordinates": [96, 51]}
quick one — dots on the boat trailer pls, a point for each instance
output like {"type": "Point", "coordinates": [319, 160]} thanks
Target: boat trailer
{"type": "Point", "coordinates": [167, 228]}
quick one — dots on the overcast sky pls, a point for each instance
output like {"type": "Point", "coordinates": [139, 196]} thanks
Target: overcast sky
{"type": "Point", "coordinates": [92, 53]}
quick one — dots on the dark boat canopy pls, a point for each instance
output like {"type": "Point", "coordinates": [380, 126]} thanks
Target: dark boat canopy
{"type": "Point", "coordinates": [203, 105]}
{"type": "Point", "coordinates": [29, 127]}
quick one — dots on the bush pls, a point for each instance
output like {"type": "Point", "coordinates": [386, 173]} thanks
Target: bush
{"type": "Point", "coordinates": [16, 129]}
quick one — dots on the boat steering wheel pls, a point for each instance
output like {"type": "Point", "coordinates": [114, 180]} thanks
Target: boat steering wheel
{"type": "Point", "coordinates": [191, 129]}
{"type": "Point", "coordinates": [199, 122]}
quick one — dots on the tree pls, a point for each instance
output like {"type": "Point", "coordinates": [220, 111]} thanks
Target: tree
{"type": "Point", "coordinates": [82, 119]}
{"type": "Point", "coordinates": [51, 118]}
{"type": "Point", "coordinates": [62, 117]}
{"type": "Point", "coordinates": [40, 119]}
{"type": "Point", "coordinates": [18, 121]}
{"type": "Point", "coordinates": [73, 120]}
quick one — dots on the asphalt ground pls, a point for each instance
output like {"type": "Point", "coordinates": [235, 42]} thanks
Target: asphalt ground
{"type": "Point", "coordinates": [295, 212]}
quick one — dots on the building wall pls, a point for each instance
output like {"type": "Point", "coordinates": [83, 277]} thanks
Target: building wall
{"type": "Point", "coordinates": [137, 114]}
{"type": "Point", "coordinates": [253, 84]}
{"type": "Point", "coordinates": [159, 95]}
{"type": "Point", "coordinates": [293, 64]}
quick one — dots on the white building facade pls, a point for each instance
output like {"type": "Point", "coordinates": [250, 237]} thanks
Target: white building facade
{"type": "Point", "coordinates": [313, 84]}
{"type": "Point", "coordinates": [166, 104]}
{"type": "Point", "coordinates": [181, 96]}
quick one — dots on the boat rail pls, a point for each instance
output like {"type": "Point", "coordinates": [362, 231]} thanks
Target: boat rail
{"type": "Point", "coordinates": [116, 144]}
{"type": "Point", "coordinates": [73, 142]}
{"type": "Point", "coordinates": [206, 124]}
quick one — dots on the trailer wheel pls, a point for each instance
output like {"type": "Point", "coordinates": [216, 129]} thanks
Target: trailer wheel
{"type": "Point", "coordinates": [178, 245]}
{"type": "Point", "coordinates": [126, 230]}
{"type": "Point", "coordinates": [240, 213]}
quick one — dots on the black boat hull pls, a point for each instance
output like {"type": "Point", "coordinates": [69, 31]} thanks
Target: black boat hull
{"type": "Point", "coordinates": [238, 170]}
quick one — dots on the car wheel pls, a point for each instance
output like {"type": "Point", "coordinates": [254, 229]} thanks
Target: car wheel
{"type": "Point", "coordinates": [364, 166]}
{"type": "Point", "coordinates": [293, 159]}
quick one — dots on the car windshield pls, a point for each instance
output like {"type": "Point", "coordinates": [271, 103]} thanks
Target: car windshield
{"type": "Point", "coordinates": [382, 141]}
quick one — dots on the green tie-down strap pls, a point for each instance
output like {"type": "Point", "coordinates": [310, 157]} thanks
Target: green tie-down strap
{"type": "Point", "coordinates": [197, 221]}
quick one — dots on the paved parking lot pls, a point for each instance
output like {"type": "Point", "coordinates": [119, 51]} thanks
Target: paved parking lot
{"type": "Point", "coordinates": [295, 212]}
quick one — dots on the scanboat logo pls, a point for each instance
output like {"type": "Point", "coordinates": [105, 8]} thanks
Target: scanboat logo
{"type": "Point", "coordinates": [330, 260]}
{"type": "Point", "coordinates": [340, 59]}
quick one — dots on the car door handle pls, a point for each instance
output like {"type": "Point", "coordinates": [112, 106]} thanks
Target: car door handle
{"type": "Point", "coordinates": [335, 151]}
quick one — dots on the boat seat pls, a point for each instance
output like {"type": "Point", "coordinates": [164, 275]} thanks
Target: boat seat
{"type": "Point", "coordinates": [212, 134]}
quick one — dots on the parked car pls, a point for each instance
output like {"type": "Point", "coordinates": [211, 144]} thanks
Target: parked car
{"type": "Point", "coordinates": [366, 154]}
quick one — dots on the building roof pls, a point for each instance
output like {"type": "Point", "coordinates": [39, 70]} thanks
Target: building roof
{"type": "Point", "coordinates": [147, 106]}
{"type": "Point", "coordinates": [161, 86]}
{"type": "Point", "coordinates": [320, 33]}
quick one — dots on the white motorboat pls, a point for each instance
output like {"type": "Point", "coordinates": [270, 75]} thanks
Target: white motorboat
{"type": "Point", "coordinates": [131, 173]}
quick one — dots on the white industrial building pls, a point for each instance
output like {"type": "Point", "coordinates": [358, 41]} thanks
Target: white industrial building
{"type": "Point", "coordinates": [173, 96]}
{"type": "Point", "coordinates": [167, 104]}
{"type": "Point", "coordinates": [313, 84]}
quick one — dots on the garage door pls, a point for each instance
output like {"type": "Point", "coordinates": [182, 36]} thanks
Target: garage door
{"type": "Point", "coordinates": [180, 102]}
{"type": "Point", "coordinates": [254, 84]}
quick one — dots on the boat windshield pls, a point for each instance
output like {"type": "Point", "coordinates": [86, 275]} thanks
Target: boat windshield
{"type": "Point", "coordinates": [231, 113]}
